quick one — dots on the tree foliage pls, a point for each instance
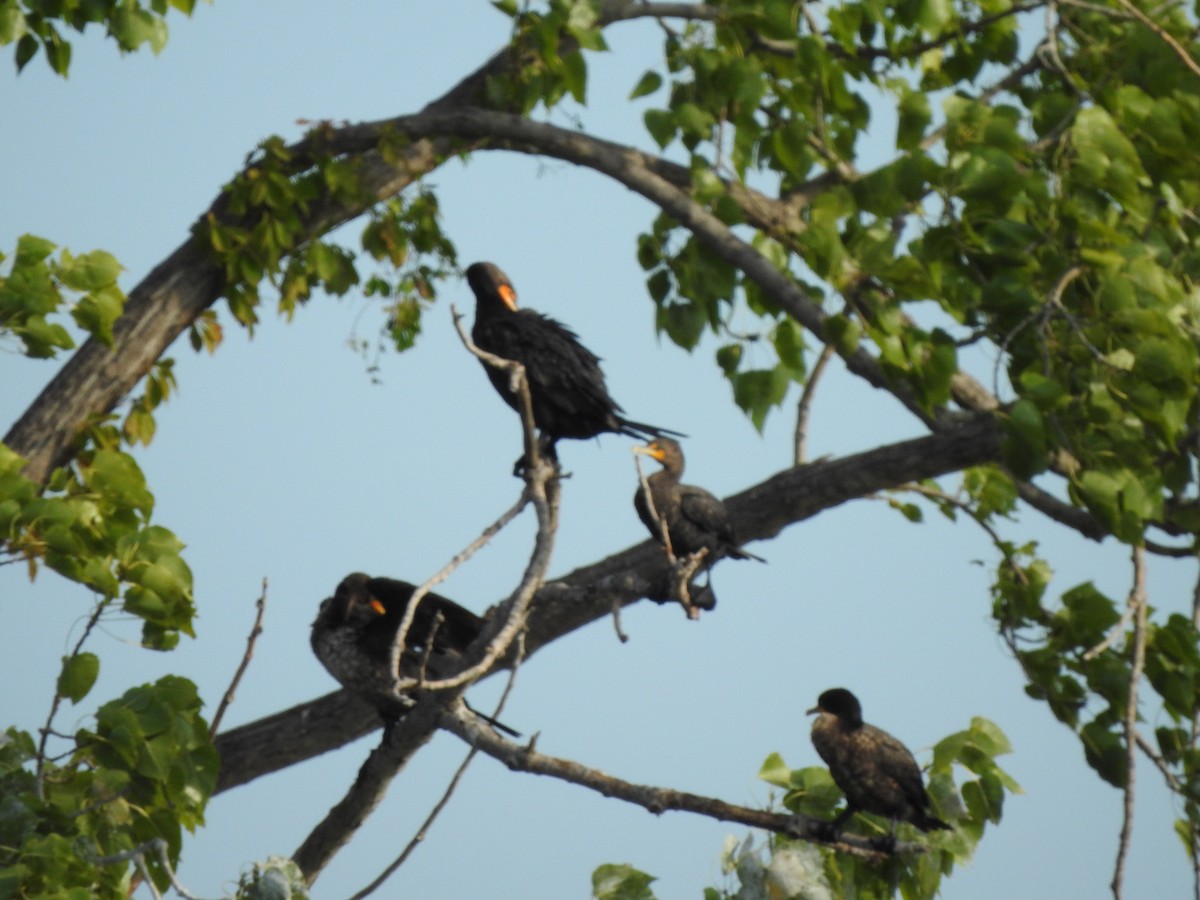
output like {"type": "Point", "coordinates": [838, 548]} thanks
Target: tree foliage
{"type": "Point", "coordinates": [1037, 200]}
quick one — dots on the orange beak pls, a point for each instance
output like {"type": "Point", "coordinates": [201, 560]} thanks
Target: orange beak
{"type": "Point", "coordinates": [377, 607]}
{"type": "Point", "coordinates": [508, 295]}
{"type": "Point", "coordinates": [650, 450]}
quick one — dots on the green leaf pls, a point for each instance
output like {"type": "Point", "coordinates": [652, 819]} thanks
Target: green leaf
{"type": "Point", "coordinates": [1025, 446]}
{"type": "Point", "coordinates": [78, 675]}
{"type": "Point", "coordinates": [89, 272]}
{"type": "Point", "coordinates": [775, 771]}
{"type": "Point", "coordinates": [914, 118]}
{"type": "Point", "coordinates": [116, 477]}
{"type": "Point", "coordinates": [621, 882]}
{"type": "Point", "coordinates": [648, 84]}
{"type": "Point", "coordinates": [661, 125]}
{"type": "Point", "coordinates": [97, 312]}
{"type": "Point", "coordinates": [12, 23]}
{"type": "Point", "coordinates": [575, 76]}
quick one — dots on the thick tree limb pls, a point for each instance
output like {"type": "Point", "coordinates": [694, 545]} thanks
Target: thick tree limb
{"type": "Point", "coordinates": [404, 739]}
{"type": "Point", "coordinates": [638, 572]}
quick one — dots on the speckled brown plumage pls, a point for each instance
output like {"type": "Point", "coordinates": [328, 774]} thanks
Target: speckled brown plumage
{"type": "Point", "coordinates": [355, 630]}
{"type": "Point", "coordinates": [875, 771]}
{"type": "Point", "coordinates": [566, 384]}
{"type": "Point", "coordinates": [695, 519]}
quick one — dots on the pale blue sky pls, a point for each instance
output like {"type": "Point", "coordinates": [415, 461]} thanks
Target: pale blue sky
{"type": "Point", "coordinates": [279, 458]}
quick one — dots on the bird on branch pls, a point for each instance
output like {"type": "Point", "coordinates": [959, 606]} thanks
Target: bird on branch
{"type": "Point", "coordinates": [695, 519]}
{"type": "Point", "coordinates": [356, 629]}
{"type": "Point", "coordinates": [566, 384]}
{"type": "Point", "coordinates": [875, 771]}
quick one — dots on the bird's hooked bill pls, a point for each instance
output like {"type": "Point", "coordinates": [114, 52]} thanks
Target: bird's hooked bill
{"type": "Point", "coordinates": [508, 295]}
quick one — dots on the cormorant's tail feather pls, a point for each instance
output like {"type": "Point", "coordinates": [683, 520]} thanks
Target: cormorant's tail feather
{"type": "Point", "coordinates": [499, 726]}
{"type": "Point", "coordinates": [646, 432]}
{"type": "Point", "coordinates": [739, 553]}
{"type": "Point", "coordinates": [926, 822]}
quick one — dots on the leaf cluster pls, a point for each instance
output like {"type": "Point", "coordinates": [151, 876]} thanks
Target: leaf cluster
{"type": "Point", "coordinates": [258, 233]}
{"type": "Point", "coordinates": [92, 525]}
{"type": "Point", "coordinates": [38, 25]}
{"type": "Point", "coordinates": [548, 47]}
{"type": "Point", "coordinates": [144, 772]}
{"type": "Point", "coordinates": [37, 287]}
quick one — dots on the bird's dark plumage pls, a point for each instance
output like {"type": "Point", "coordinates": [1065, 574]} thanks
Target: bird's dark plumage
{"type": "Point", "coordinates": [875, 771]}
{"type": "Point", "coordinates": [355, 630]}
{"type": "Point", "coordinates": [695, 518]}
{"type": "Point", "coordinates": [566, 384]}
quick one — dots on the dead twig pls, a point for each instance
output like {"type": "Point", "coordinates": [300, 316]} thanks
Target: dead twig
{"type": "Point", "coordinates": [47, 729]}
{"type": "Point", "coordinates": [137, 854]}
{"type": "Point", "coordinates": [251, 640]}
{"type": "Point", "coordinates": [656, 800]}
{"type": "Point", "coordinates": [682, 569]}
{"type": "Point", "coordinates": [1137, 602]}
{"type": "Point", "coordinates": [804, 407]}
{"type": "Point", "coordinates": [404, 684]}
{"type": "Point", "coordinates": [419, 837]}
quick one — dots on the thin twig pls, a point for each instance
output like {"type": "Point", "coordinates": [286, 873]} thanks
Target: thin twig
{"type": "Point", "coordinates": [683, 569]}
{"type": "Point", "coordinates": [419, 837]}
{"type": "Point", "coordinates": [1164, 769]}
{"type": "Point", "coordinates": [404, 737]}
{"type": "Point", "coordinates": [804, 407]}
{"type": "Point", "coordinates": [1137, 602]}
{"type": "Point", "coordinates": [1114, 634]}
{"type": "Point", "coordinates": [659, 521]}
{"type": "Point", "coordinates": [1163, 35]}
{"type": "Point", "coordinates": [616, 620]}
{"type": "Point", "coordinates": [654, 799]}
{"type": "Point", "coordinates": [542, 489]}
{"type": "Point", "coordinates": [261, 604]}
{"type": "Point", "coordinates": [137, 855]}
{"type": "Point", "coordinates": [404, 684]}
{"type": "Point", "coordinates": [40, 777]}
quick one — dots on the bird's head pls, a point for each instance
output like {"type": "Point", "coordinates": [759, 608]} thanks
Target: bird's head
{"type": "Point", "coordinates": [841, 703]}
{"type": "Point", "coordinates": [352, 603]}
{"type": "Point", "coordinates": [491, 286]}
{"type": "Point", "coordinates": [666, 451]}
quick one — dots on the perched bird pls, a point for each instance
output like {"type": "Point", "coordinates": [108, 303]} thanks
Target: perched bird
{"type": "Point", "coordinates": [355, 630]}
{"type": "Point", "coordinates": [695, 519]}
{"type": "Point", "coordinates": [875, 771]}
{"type": "Point", "coordinates": [566, 384]}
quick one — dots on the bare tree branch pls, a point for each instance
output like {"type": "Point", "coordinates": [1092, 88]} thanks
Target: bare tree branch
{"type": "Point", "coordinates": [405, 736]}
{"type": "Point", "coordinates": [654, 799]}
{"type": "Point", "coordinates": [450, 788]}
{"type": "Point", "coordinates": [804, 406]}
{"type": "Point", "coordinates": [255, 631]}
{"type": "Point", "coordinates": [400, 742]}
{"type": "Point", "coordinates": [1163, 35]}
{"type": "Point", "coordinates": [1137, 652]}
{"type": "Point", "coordinates": [158, 847]}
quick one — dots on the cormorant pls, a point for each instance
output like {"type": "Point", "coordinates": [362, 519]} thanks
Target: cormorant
{"type": "Point", "coordinates": [355, 630]}
{"type": "Point", "coordinates": [695, 518]}
{"type": "Point", "coordinates": [566, 384]}
{"type": "Point", "coordinates": [875, 771]}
